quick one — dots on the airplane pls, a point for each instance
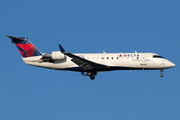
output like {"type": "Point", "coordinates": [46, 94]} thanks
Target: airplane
{"type": "Point", "coordinates": [89, 64]}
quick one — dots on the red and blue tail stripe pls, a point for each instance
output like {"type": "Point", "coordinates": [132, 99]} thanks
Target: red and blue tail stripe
{"type": "Point", "coordinates": [25, 47]}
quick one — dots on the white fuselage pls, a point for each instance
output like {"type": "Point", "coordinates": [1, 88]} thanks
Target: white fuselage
{"type": "Point", "coordinates": [115, 61]}
{"type": "Point", "coordinates": [89, 64]}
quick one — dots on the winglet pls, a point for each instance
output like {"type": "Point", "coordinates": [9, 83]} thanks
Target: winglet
{"type": "Point", "coordinates": [61, 48]}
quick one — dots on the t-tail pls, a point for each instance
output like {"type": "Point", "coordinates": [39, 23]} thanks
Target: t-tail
{"type": "Point", "coordinates": [25, 47]}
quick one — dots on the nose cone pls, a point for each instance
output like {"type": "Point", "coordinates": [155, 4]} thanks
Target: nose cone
{"type": "Point", "coordinates": [172, 64]}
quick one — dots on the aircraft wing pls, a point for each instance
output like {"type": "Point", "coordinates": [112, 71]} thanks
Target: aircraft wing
{"type": "Point", "coordinates": [85, 64]}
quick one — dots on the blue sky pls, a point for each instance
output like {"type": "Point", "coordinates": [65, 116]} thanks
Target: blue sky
{"type": "Point", "coordinates": [33, 93]}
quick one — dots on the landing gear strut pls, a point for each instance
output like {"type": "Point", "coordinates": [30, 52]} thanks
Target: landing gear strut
{"type": "Point", "coordinates": [161, 75]}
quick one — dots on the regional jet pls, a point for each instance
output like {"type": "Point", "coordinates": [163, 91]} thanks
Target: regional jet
{"type": "Point", "coordinates": [89, 64]}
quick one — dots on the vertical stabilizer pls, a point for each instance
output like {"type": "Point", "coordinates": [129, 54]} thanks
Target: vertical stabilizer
{"type": "Point", "coordinates": [25, 47]}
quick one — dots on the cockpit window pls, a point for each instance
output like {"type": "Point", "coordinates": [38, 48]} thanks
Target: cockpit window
{"type": "Point", "coordinates": [157, 56]}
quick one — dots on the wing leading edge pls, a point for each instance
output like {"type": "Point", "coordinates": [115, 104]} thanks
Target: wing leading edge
{"type": "Point", "coordinates": [84, 64]}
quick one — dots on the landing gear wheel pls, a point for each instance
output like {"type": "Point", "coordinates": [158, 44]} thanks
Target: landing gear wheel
{"type": "Point", "coordinates": [92, 77]}
{"type": "Point", "coordinates": [161, 75]}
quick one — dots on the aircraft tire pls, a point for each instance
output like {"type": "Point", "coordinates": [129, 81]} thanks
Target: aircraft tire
{"type": "Point", "coordinates": [92, 77]}
{"type": "Point", "coordinates": [161, 75]}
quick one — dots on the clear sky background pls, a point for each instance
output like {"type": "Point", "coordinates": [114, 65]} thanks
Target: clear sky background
{"type": "Point", "coordinates": [89, 26]}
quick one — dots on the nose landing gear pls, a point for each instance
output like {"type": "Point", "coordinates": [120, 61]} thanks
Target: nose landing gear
{"type": "Point", "coordinates": [161, 75]}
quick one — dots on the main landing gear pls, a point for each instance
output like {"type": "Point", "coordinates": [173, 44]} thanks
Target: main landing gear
{"type": "Point", "coordinates": [161, 75]}
{"type": "Point", "coordinates": [91, 74]}
{"type": "Point", "coordinates": [92, 77]}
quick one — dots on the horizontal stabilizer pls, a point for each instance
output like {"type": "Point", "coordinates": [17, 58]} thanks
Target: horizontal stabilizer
{"type": "Point", "coordinates": [15, 39]}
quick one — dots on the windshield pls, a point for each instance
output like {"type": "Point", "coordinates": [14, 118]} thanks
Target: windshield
{"type": "Point", "coordinates": [157, 56]}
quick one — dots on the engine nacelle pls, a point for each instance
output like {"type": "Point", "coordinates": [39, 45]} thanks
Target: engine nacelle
{"type": "Point", "coordinates": [57, 55]}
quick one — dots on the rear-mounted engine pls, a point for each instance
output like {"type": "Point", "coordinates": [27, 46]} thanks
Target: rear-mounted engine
{"type": "Point", "coordinates": [56, 55]}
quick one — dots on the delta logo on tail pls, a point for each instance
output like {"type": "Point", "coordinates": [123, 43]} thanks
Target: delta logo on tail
{"type": "Point", "coordinates": [25, 47]}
